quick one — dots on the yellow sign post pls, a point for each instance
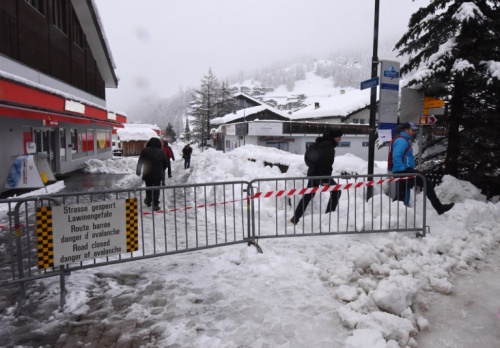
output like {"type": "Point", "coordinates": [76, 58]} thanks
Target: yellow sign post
{"type": "Point", "coordinates": [431, 103]}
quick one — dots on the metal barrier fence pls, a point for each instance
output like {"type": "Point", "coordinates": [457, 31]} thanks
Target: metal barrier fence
{"type": "Point", "coordinates": [192, 217]}
{"type": "Point", "coordinates": [279, 198]}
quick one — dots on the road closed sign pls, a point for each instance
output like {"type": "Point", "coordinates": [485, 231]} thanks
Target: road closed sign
{"type": "Point", "coordinates": [75, 233]}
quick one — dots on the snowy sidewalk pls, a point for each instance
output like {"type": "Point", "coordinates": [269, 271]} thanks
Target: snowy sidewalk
{"type": "Point", "coordinates": [470, 316]}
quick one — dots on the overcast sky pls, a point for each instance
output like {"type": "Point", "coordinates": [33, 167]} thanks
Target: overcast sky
{"type": "Point", "coordinates": [159, 46]}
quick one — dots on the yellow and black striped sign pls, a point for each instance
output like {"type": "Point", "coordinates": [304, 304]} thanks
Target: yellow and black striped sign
{"type": "Point", "coordinates": [44, 237]}
{"type": "Point", "coordinates": [132, 223]}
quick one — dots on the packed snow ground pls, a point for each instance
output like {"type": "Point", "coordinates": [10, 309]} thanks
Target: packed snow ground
{"type": "Point", "coordinates": [356, 291]}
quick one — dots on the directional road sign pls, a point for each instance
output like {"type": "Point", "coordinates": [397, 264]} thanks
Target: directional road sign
{"type": "Point", "coordinates": [370, 83]}
{"type": "Point", "coordinates": [430, 102]}
{"type": "Point", "coordinates": [433, 111]}
{"type": "Point", "coordinates": [427, 120]}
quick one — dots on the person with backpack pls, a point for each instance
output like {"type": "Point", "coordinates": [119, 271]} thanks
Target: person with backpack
{"type": "Point", "coordinates": [186, 154]}
{"type": "Point", "coordinates": [402, 161]}
{"type": "Point", "coordinates": [319, 158]}
{"type": "Point", "coordinates": [170, 156]}
{"type": "Point", "coordinates": [152, 162]}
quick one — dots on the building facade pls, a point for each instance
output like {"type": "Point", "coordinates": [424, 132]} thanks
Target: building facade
{"type": "Point", "coordinates": [294, 132]}
{"type": "Point", "coordinates": [55, 67]}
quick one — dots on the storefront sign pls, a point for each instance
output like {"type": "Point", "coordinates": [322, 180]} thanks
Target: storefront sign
{"type": "Point", "coordinates": [50, 123]}
{"type": "Point", "coordinates": [71, 105]}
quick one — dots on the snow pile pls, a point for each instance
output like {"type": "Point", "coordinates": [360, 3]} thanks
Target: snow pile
{"type": "Point", "coordinates": [356, 291]}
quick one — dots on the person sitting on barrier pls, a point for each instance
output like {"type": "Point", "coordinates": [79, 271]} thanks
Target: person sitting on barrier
{"type": "Point", "coordinates": [403, 162]}
{"type": "Point", "coordinates": [319, 158]}
{"type": "Point", "coordinates": [153, 163]}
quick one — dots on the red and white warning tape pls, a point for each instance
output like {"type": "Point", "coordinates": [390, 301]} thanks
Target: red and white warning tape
{"type": "Point", "coordinates": [148, 212]}
{"type": "Point", "coordinates": [295, 192]}
{"type": "Point", "coordinates": [326, 188]}
{"type": "Point", "coordinates": [15, 226]}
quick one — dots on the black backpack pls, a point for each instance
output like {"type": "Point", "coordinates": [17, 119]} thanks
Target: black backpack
{"type": "Point", "coordinates": [311, 157]}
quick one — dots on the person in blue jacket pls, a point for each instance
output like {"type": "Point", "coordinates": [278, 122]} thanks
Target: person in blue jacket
{"type": "Point", "coordinates": [403, 162]}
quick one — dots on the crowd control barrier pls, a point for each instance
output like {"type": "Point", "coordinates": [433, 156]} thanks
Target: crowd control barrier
{"type": "Point", "coordinates": [54, 235]}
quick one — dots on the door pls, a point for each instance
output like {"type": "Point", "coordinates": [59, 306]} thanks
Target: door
{"type": "Point", "coordinates": [45, 140]}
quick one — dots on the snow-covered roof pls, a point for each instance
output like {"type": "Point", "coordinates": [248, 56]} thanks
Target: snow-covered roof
{"type": "Point", "coordinates": [244, 95]}
{"type": "Point", "coordinates": [241, 114]}
{"type": "Point", "coordinates": [336, 105]}
{"type": "Point", "coordinates": [137, 132]}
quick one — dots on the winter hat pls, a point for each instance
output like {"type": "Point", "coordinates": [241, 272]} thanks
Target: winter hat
{"type": "Point", "coordinates": [154, 142]}
{"type": "Point", "coordinates": [334, 133]}
{"type": "Point", "coordinates": [408, 125]}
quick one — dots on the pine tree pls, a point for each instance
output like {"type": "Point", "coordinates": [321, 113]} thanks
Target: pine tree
{"type": "Point", "coordinates": [186, 136]}
{"type": "Point", "coordinates": [453, 48]}
{"type": "Point", "coordinates": [226, 103]}
{"type": "Point", "coordinates": [170, 133]}
{"type": "Point", "coordinates": [203, 109]}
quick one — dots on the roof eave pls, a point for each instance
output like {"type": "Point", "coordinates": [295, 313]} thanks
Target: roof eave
{"type": "Point", "coordinates": [91, 26]}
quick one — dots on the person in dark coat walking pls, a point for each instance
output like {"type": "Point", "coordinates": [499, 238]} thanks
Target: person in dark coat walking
{"type": "Point", "coordinates": [170, 155]}
{"type": "Point", "coordinates": [153, 163]}
{"type": "Point", "coordinates": [186, 154]}
{"type": "Point", "coordinates": [322, 167]}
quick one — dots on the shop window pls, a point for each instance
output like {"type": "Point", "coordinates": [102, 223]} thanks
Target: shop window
{"type": "Point", "coordinates": [62, 146]}
{"type": "Point", "coordinates": [81, 140]}
{"type": "Point", "coordinates": [27, 138]}
{"type": "Point", "coordinates": [103, 140]}
{"type": "Point", "coordinates": [90, 141]}
{"type": "Point", "coordinates": [108, 139]}
{"type": "Point", "coordinates": [74, 141]}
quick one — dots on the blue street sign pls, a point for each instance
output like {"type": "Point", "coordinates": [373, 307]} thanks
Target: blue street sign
{"type": "Point", "coordinates": [389, 86]}
{"type": "Point", "coordinates": [369, 83]}
{"type": "Point", "coordinates": [391, 73]}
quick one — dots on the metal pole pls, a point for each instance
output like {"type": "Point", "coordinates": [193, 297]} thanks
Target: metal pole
{"type": "Point", "coordinates": [373, 101]}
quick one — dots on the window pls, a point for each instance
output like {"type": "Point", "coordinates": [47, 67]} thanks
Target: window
{"type": "Point", "coordinates": [345, 144]}
{"type": "Point", "coordinates": [39, 5]}
{"type": "Point", "coordinates": [62, 142]}
{"type": "Point", "coordinates": [365, 144]}
{"type": "Point", "coordinates": [89, 141]}
{"type": "Point", "coordinates": [77, 34]}
{"type": "Point", "coordinates": [74, 141]}
{"type": "Point", "coordinates": [103, 140]}
{"type": "Point", "coordinates": [59, 18]}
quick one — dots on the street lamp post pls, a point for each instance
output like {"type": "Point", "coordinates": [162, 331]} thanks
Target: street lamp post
{"type": "Point", "coordinates": [373, 102]}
